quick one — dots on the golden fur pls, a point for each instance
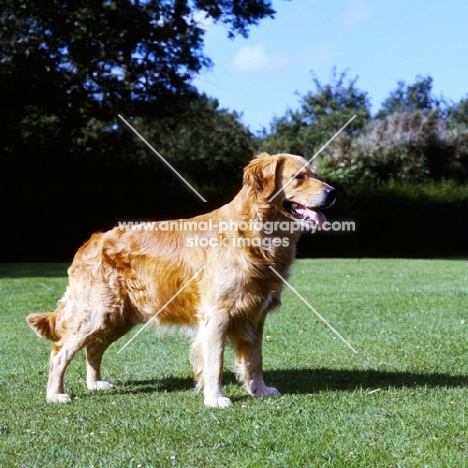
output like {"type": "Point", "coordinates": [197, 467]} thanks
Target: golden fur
{"type": "Point", "coordinates": [123, 277]}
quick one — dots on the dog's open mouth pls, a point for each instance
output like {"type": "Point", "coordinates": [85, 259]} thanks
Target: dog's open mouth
{"type": "Point", "coordinates": [305, 213]}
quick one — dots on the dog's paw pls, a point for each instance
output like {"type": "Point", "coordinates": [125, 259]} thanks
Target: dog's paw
{"type": "Point", "coordinates": [100, 385]}
{"type": "Point", "coordinates": [268, 391]}
{"type": "Point", "coordinates": [219, 402]}
{"type": "Point", "coordinates": [260, 390]}
{"type": "Point", "coordinates": [59, 398]}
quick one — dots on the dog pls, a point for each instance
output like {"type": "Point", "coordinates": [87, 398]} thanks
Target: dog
{"type": "Point", "coordinates": [222, 284]}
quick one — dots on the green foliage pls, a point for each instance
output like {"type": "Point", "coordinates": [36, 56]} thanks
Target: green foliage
{"type": "Point", "coordinates": [395, 219]}
{"type": "Point", "coordinates": [399, 402]}
{"type": "Point", "coordinates": [414, 137]}
{"type": "Point", "coordinates": [458, 114]}
{"type": "Point", "coordinates": [205, 143]}
{"type": "Point", "coordinates": [409, 98]}
{"type": "Point", "coordinates": [115, 54]}
{"type": "Point", "coordinates": [322, 112]}
{"type": "Point", "coordinates": [68, 68]}
{"type": "Point", "coordinates": [412, 146]}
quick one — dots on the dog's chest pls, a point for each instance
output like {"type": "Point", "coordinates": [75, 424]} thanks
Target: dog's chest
{"type": "Point", "coordinates": [245, 291]}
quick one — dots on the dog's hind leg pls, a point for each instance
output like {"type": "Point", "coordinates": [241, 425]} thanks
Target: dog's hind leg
{"type": "Point", "coordinates": [249, 360]}
{"type": "Point", "coordinates": [94, 352]}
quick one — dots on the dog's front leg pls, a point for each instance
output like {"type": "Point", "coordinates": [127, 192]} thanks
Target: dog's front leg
{"type": "Point", "coordinates": [212, 337]}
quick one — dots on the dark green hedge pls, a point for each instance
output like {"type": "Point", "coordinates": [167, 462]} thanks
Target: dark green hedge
{"type": "Point", "coordinates": [48, 217]}
{"type": "Point", "coordinates": [396, 220]}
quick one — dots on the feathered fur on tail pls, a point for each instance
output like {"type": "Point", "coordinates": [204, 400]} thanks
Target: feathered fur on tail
{"type": "Point", "coordinates": [44, 325]}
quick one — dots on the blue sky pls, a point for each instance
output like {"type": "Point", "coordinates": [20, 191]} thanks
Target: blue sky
{"type": "Point", "coordinates": [380, 41]}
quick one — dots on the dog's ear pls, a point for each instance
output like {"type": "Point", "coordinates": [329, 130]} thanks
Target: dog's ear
{"type": "Point", "coordinates": [260, 174]}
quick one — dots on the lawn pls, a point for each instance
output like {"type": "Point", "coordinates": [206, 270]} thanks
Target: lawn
{"type": "Point", "coordinates": [401, 401]}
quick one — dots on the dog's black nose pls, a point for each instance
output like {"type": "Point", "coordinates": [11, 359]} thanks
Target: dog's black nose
{"type": "Point", "coordinates": [330, 194]}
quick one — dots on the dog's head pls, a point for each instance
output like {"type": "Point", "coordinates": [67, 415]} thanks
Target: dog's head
{"type": "Point", "coordinates": [291, 185]}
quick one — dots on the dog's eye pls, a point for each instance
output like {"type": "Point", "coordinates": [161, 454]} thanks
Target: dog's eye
{"type": "Point", "coordinates": [299, 176]}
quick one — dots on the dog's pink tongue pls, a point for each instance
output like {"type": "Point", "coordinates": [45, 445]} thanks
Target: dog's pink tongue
{"type": "Point", "coordinates": [313, 215]}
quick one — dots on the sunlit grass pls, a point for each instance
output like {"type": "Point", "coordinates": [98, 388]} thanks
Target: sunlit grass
{"type": "Point", "coordinates": [401, 401]}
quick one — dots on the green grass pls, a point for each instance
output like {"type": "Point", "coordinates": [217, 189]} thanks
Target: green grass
{"type": "Point", "coordinates": [400, 402]}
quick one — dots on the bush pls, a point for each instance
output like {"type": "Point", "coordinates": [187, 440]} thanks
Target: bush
{"type": "Point", "coordinates": [408, 146]}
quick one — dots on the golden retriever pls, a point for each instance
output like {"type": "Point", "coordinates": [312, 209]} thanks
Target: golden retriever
{"type": "Point", "coordinates": [217, 281]}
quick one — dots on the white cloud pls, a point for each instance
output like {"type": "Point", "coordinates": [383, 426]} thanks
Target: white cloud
{"type": "Point", "coordinates": [355, 12]}
{"type": "Point", "coordinates": [255, 58]}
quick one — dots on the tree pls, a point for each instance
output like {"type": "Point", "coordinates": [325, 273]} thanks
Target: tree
{"type": "Point", "coordinates": [65, 62]}
{"type": "Point", "coordinates": [67, 68]}
{"type": "Point", "coordinates": [322, 113]}
{"type": "Point", "coordinates": [410, 98]}
{"type": "Point", "coordinates": [117, 52]}
{"type": "Point", "coordinates": [208, 144]}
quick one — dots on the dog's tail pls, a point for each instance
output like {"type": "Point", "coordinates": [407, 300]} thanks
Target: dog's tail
{"type": "Point", "coordinates": [45, 324]}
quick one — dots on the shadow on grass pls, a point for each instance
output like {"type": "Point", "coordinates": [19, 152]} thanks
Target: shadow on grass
{"type": "Point", "coordinates": [167, 384]}
{"type": "Point", "coordinates": [33, 270]}
{"type": "Point", "coordinates": [304, 381]}
{"type": "Point", "coordinates": [309, 381]}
